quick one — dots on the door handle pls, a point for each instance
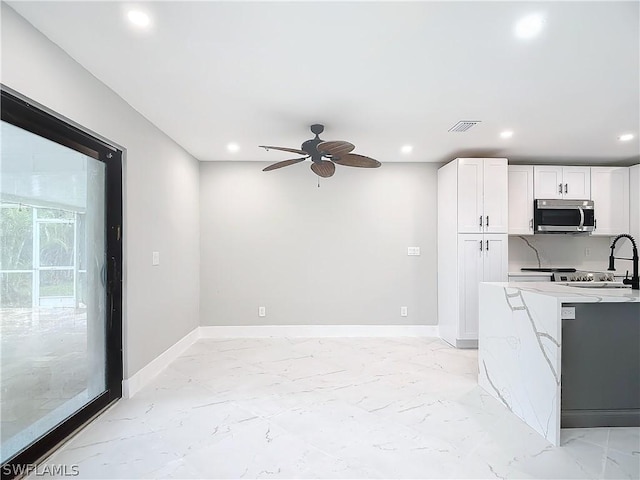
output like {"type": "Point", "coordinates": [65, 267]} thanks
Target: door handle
{"type": "Point", "coordinates": [480, 245]}
{"type": "Point", "coordinates": [559, 188]}
{"type": "Point", "coordinates": [566, 188]}
{"type": "Point", "coordinates": [581, 218]}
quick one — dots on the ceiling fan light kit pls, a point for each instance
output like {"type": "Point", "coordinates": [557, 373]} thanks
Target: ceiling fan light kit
{"type": "Point", "coordinates": [323, 155]}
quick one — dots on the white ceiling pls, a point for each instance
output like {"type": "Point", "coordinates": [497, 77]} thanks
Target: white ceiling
{"type": "Point", "coordinates": [379, 75]}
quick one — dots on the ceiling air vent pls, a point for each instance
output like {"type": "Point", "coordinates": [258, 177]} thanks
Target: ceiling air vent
{"type": "Point", "coordinates": [463, 125]}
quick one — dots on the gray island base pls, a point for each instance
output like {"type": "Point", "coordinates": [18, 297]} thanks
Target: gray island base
{"type": "Point", "coordinates": [520, 354]}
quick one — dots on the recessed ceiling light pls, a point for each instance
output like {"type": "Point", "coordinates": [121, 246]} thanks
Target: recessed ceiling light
{"type": "Point", "coordinates": [506, 134]}
{"type": "Point", "coordinates": [529, 26]}
{"type": "Point", "coordinates": [138, 18]}
{"type": "Point", "coordinates": [406, 149]}
{"type": "Point", "coordinates": [626, 137]}
{"type": "Point", "coordinates": [233, 147]}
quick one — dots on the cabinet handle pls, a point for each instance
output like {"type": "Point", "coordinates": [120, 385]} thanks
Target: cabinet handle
{"type": "Point", "coordinates": [480, 245]}
{"type": "Point", "coordinates": [559, 188]}
{"type": "Point", "coordinates": [487, 245]}
{"type": "Point", "coordinates": [595, 224]}
{"type": "Point", "coordinates": [480, 220]}
{"type": "Point", "coordinates": [566, 188]}
{"type": "Point", "coordinates": [487, 220]}
{"type": "Point", "coordinates": [531, 224]}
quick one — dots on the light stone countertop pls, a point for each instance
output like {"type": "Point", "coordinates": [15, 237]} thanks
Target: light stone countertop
{"type": "Point", "coordinates": [520, 344]}
{"type": "Point", "coordinates": [567, 294]}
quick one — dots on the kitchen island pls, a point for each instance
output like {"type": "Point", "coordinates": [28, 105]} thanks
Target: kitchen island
{"type": "Point", "coordinates": [520, 349]}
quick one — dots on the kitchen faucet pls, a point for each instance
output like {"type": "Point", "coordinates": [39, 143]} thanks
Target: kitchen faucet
{"type": "Point", "coordinates": [635, 281]}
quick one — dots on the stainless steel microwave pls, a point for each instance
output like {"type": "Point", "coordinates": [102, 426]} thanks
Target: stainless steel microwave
{"type": "Point", "coordinates": [563, 216]}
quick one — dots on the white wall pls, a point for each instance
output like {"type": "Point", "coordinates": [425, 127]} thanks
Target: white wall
{"type": "Point", "coordinates": [330, 255]}
{"type": "Point", "coordinates": [161, 189]}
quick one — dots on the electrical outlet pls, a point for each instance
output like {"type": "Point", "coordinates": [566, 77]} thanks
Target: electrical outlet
{"type": "Point", "coordinates": [413, 250]}
{"type": "Point", "coordinates": [262, 311]}
{"type": "Point", "coordinates": [403, 311]}
{"type": "Point", "coordinates": [587, 252]}
{"type": "Point", "coordinates": [155, 258]}
{"type": "Point", "coordinates": [568, 313]}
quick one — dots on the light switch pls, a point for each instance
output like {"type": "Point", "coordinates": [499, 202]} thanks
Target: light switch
{"type": "Point", "coordinates": [413, 250]}
{"type": "Point", "coordinates": [568, 313]}
{"type": "Point", "coordinates": [403, 311]}
{"type": "Point", "coordinates": [262, 312]}
{"type": "Point", "coordinates": [155, 260]}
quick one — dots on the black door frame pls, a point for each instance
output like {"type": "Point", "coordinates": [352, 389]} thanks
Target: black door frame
{"type": "Point", "coordinates": [28, 115]}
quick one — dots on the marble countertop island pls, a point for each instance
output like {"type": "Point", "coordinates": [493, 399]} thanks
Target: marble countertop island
{"type": "Point", "coordinates": [520, 345]}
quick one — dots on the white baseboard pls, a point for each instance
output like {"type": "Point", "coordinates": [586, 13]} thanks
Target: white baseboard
{"type": "Point", "coordinates": [306, 331]}
{"type": "Point", "coordinates": [142, 377]}
{"type": "Point", "coordinates": [136, 382]}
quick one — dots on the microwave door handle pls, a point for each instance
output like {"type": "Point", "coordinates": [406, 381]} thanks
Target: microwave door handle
{"type": "Point", "coordinates": [581, 218]}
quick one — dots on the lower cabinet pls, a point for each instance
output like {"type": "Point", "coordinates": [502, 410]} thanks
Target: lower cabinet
{"type": "Point", "coordinates": [480, 258]}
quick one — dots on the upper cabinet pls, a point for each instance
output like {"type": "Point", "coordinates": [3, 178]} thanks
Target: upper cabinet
{"type": "Point", "coordinates": [610, 195]}
{"type": "Point", "coordinates": [520, 199]}
{"type": "Point", "coordinates": [482, 195]}
{"type": "Point", "coordinates": [571, 183]}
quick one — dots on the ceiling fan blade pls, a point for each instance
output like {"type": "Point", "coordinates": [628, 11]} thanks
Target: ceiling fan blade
{"type": "Point", "coordinates": [284, 163]}
{"type": "Point", "coordinates": [335, 148]}
{"type": "Point", "coordinates": [354, 160]}
{"type": "Point", "coordinates": [284, 149]}
{"type": "Point", "coordinates": [323, 168]}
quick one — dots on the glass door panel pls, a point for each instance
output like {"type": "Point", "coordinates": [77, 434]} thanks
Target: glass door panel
{"type": "Point", "coordinates": [53, 316]}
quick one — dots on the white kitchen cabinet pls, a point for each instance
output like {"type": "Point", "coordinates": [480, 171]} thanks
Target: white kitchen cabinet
{"type": "Point", "coordinates": [482, 195]}
{"type": "Point", "coordinates": [469, 188]}
{"type": "Point", "coordinates": [470, 274]}
{"type": "Point", "coordinates": [570, 183]}
{"type": "Point", "coordinates": [481, 258]}
{"type": "Point", "coordinates": [577, 183]}
{"type": "Point", "coordinates": [610, 195]}
{"type": "Point", "coordinates": [634, 202]}
{"type": "Point", "coordinates": [520, 199]}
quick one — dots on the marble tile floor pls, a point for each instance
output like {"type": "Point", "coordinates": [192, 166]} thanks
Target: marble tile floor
{"type": "Point", "coordinates": [332, 408]}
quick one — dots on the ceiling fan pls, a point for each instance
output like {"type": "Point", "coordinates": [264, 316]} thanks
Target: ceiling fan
{"type": "Point", "coordinates": [324, 155]}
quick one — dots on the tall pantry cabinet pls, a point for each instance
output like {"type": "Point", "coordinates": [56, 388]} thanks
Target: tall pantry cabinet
{"type": "Point", "coordinates": [472, 241]}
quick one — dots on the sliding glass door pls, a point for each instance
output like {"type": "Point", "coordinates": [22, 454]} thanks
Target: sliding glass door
{"type": "Point", "coordinates": [60, 279]}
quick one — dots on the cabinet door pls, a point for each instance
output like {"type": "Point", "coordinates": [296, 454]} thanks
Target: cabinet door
{"type": "Point", "coordinates": [547, 182]}
{"type": "Point", "coordinates": [495, 262]}
{"type": "Point", "coordinates": [634, 201]}
{"type": "Point", "coordinates": [520, 200]}
{"type": "Point", "coordinates": [610, 195]}
{"type": "Point", "coordinates": [470, 195]}
{"type": "Point", "coordinates": [469, 277]}
{"type": "Point", "coordinates": [577, 183]}
{"type": "Point", "coordinates": [495, 197]}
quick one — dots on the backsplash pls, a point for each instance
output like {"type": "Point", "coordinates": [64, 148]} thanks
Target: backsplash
{"type": "Point", "coordinates": [566, 251]}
